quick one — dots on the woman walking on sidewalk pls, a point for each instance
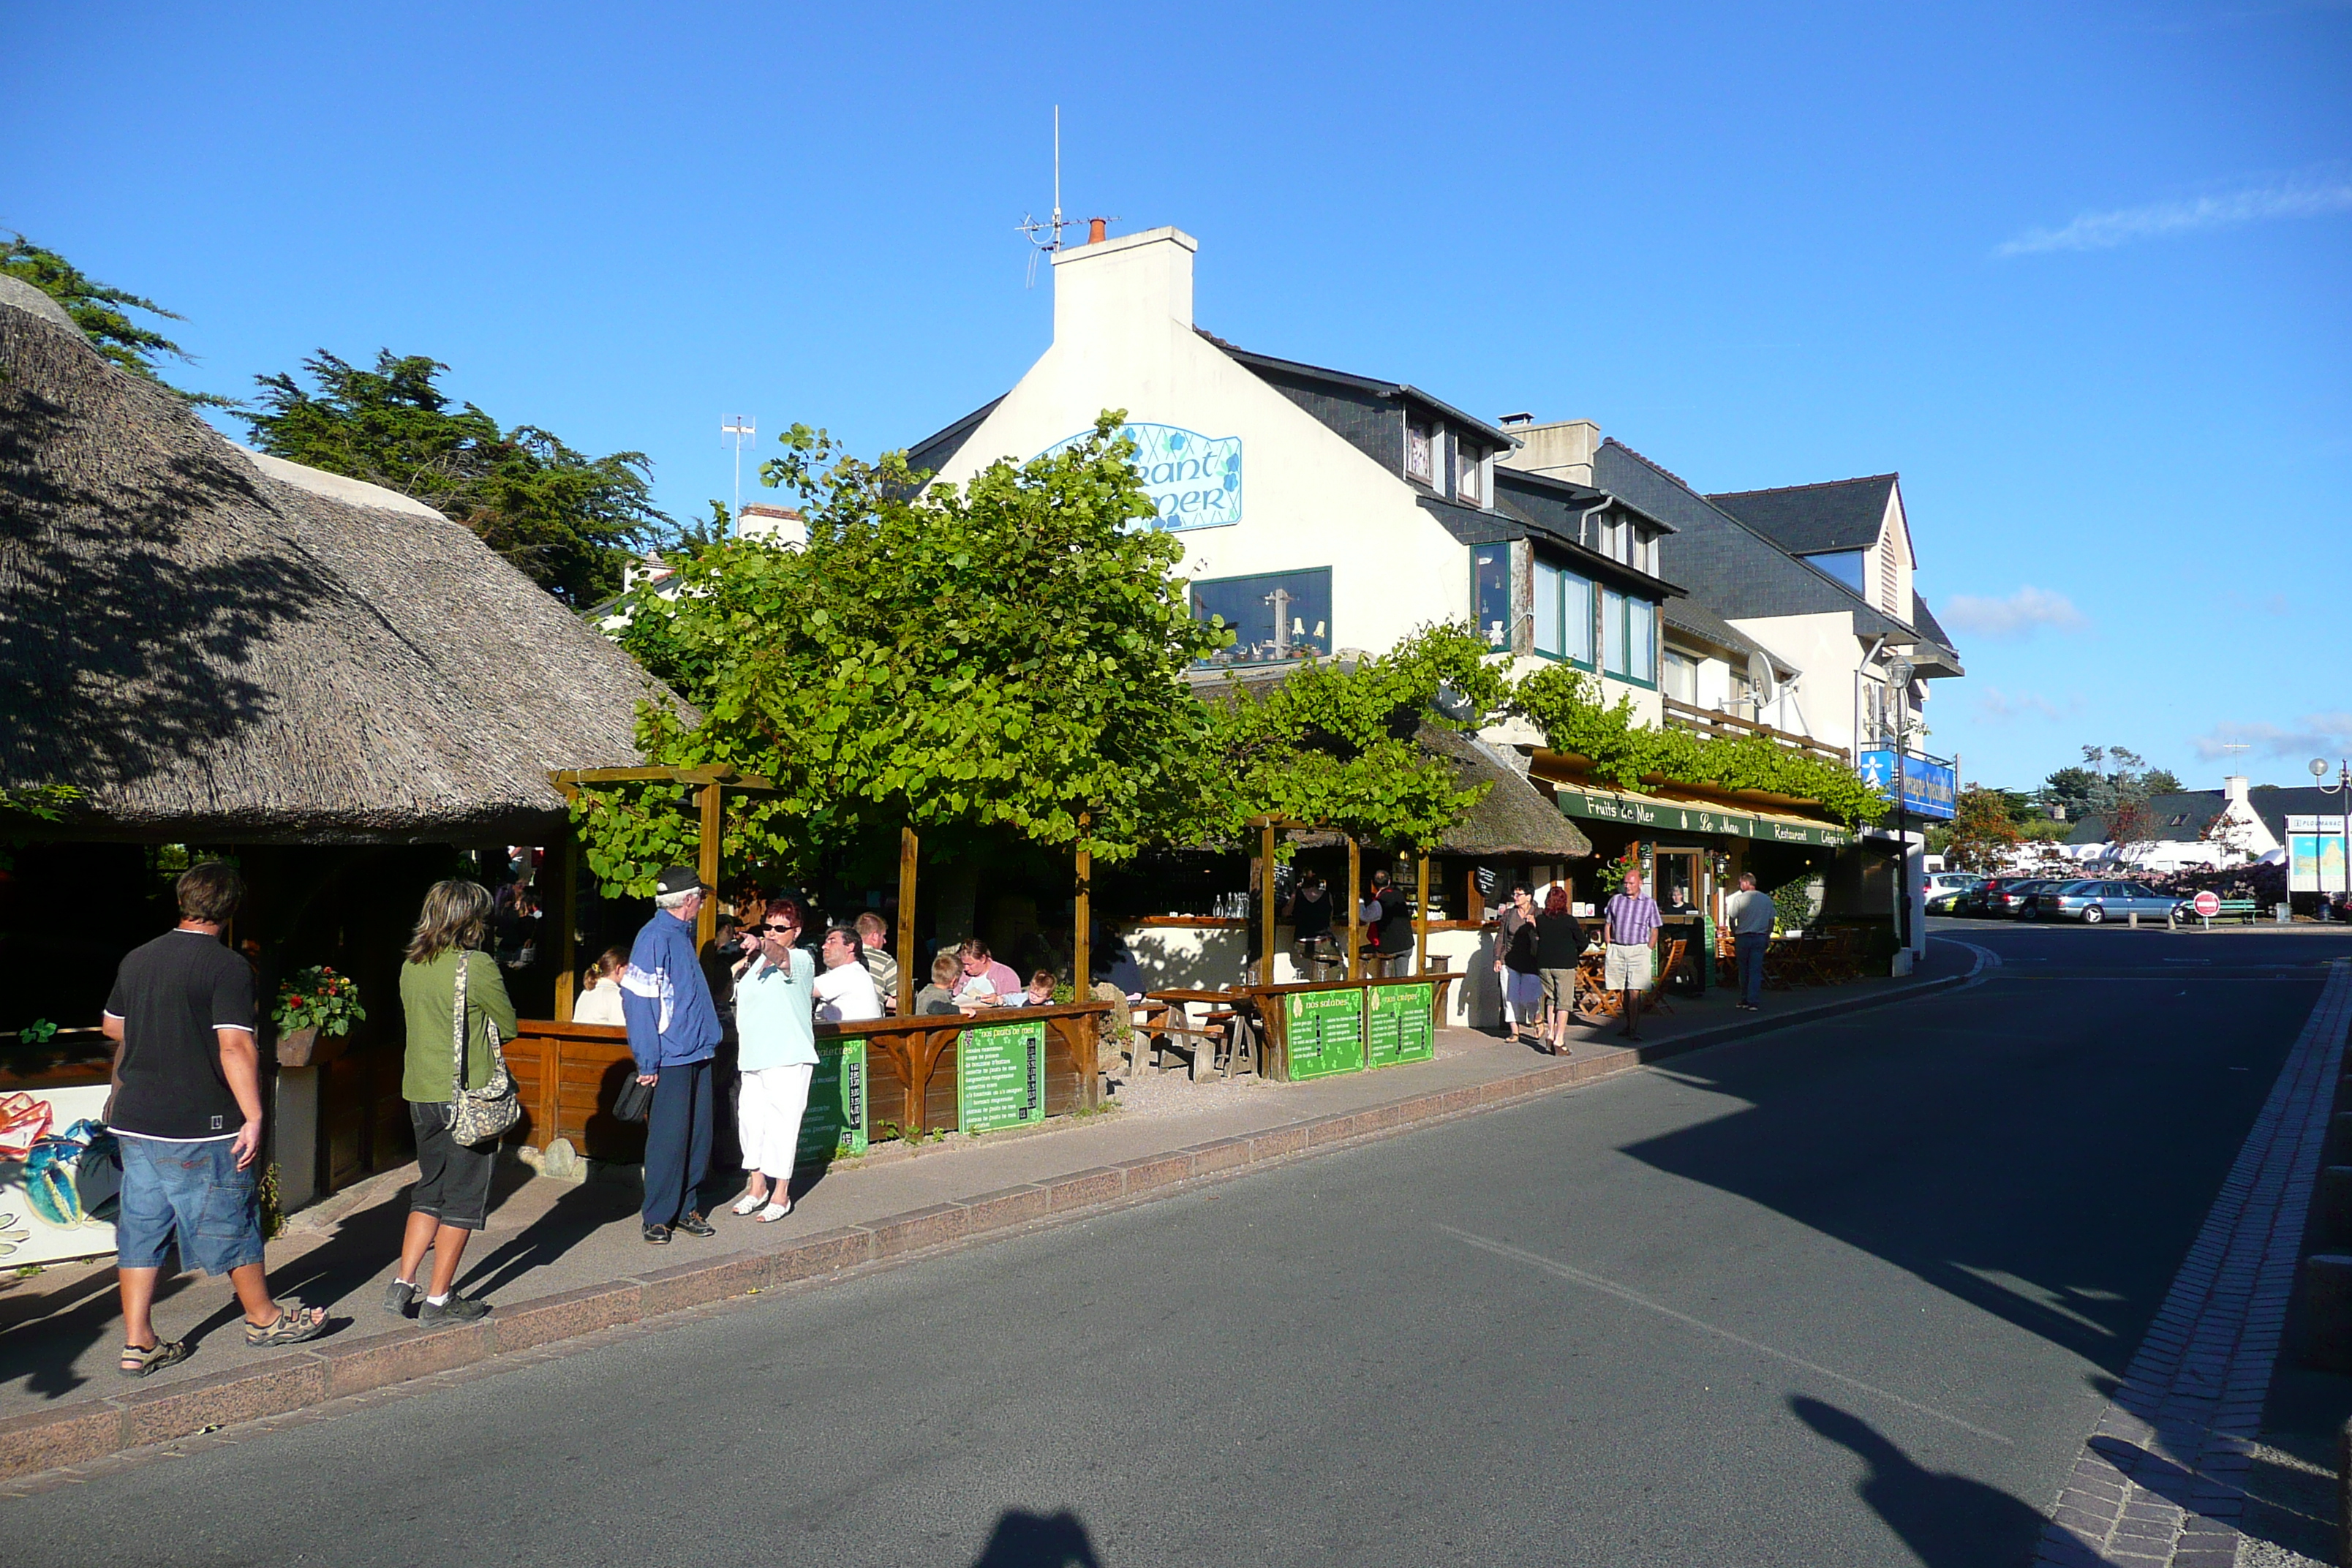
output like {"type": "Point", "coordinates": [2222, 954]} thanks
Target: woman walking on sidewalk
{"type": "Point", "coordinates": [775, 1002]}
{"type": "Point", "coordinates": [452, 1195]}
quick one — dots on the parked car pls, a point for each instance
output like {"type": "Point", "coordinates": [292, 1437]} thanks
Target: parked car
{"type": "Point", "coordinates": [2007, 896]}
{"type": "Point", "coordinates": [1947, 888]}
{"type": "Point", "coordinates": [2094, 901]}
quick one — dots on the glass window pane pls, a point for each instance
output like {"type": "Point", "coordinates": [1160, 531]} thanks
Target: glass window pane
{"type": "Point", "coordinates": [1490, 593]}
{"type": "Point", "coordinates": [1576, 617]}
{"type": "Point", "coordinates": [1641, 633]}
{"type": "Point", "coordinates": [1613, 631]}
{"type": "Point", "coordinates": [1547, 609]}
{"type": "Point", "coordinates": [1275, 616]}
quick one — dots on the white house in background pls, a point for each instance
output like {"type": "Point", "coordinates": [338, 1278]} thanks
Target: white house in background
{"type": "Point", "coordinates": [1322, 512]}
{"type": "Point", "coordinates": [778, 525]}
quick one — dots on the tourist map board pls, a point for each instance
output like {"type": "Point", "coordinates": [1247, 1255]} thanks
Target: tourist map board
{"type": "Point", "coordinates": [1324, 1032]}
{"type": "Point", "coordinates": [834, 1125]}
{"type": "Point", "coordinates": [1000, 1076]}
{"type": "Point", "coordinates": [1399, 1029]}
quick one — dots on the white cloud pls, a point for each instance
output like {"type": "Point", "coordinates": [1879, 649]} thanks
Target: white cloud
{"type": "Point", "coordinates": [2320, 735]}
{"type": "Point", "coordinates": [1995, 706]}
{"type": "Point", "coordinates": [2020, 615]}
{"type": "Point", "coordinates": [2305, 196]}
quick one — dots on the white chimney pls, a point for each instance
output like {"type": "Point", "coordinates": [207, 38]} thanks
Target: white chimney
{"type": "Point", "coordinates": [1110, 291]}
{"type": "Point", "coordinates": [781, 524]}
{"type": "Point", "coordinates": [1561, 450]}
{"type": "Point", "coordinates": [2235, 787]}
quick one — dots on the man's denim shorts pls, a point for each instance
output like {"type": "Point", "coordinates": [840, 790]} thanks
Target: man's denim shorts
{"type": "Point", "coordinates": [194, 1189]}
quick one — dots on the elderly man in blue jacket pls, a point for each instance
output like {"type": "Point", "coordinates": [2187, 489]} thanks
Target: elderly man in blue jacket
{"type": "Point", "coordinates": [674, 1033]}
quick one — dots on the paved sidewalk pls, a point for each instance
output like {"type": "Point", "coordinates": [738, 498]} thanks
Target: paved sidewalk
{"type": "Point", "coordinates": [559, 1259]}
{"type": "Point", "coordinates": [2161, 1479]}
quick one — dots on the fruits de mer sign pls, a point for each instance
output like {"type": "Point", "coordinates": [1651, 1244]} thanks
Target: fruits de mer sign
{"type": "Point", "coordinates": [1195, 481]}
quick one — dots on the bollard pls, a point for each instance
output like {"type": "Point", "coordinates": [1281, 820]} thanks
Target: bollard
{"type": "Point", "coordinates": [2331, 1207]}
{"type": "Point", "coordinates": [2131, 918]}
{"type": "Point", "coordinates": [2327, 1311]}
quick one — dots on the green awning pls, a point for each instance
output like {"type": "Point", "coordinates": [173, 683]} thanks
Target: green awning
{"type": "Point", "coordinates": [1682, 817]}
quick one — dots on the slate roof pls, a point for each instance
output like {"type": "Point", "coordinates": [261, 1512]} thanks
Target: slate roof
{"type": "Point", "coordinates": [1688, 614]}
{"type": "Point", "coordinates": [1729, 566]}
{"type": "Point", "coordinates": [933, 453]}
{"type": "Point", "coordinates": [2198, 806]}
{"type": "Point", "coordinates": [1809, 520]}
{"type": "Point", "coordinates": [1401, 392]}
{"type": "Point", "coordinates": [1924, 619]}
{"type": "Point", "coordinates": [2275, 806]}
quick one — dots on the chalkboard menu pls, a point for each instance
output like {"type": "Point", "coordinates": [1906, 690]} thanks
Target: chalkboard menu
{"type": "Point", "coordinates": [1400, 1027]}
{"type": "Point", "coordinates": [1000, 1076]}
{"type": "Point", "coordinates": [1324, 1031]}
{"type": "Point", "coordinates": [834, 1125]}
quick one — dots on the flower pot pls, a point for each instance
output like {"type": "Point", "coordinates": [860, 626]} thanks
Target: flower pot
{"type": "Point", "coordinates": [295, 1047]}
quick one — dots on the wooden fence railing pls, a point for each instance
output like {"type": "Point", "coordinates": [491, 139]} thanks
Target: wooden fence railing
{"type": "Point", "coordinates": [1708, 721]}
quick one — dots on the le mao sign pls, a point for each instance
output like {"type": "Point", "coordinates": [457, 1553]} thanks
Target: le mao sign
{"type": "Point", "coordinates": [1195, 481]}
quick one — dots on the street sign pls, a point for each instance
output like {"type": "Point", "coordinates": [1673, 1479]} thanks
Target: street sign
{"type": "Point", "coordinates": [2208, 904]}
{"type": "Point", "coordinates": [1001, 1077]}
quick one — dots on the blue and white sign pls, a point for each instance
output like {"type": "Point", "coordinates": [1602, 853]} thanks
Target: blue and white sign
{"type": "Point", "coordinates": [1929, 789]}
{"type": "Point", "coordinates": [1195, 481]}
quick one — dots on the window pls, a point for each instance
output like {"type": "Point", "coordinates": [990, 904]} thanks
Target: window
{"type": "Point", "coordinates": [1562, 615]}
{"type": "Point", "coordinates": [1419, 462]}
{"type": "Point", "coordinates": [1641, 638]}
{"type": "Point", "coordinates": [1275, 616]}
{"type": "Point", "coordinates": [1547, 609]}
{"type": "Point", "coordinates": [1490, 593]}
{"type": "Point", "coordinates": [1678, 676]}
{"type": "Point", "coordinates": [1845, 565]}
{"type": "Point", "coordinates": [1469, 475]}
{"type": "Point", "coordinates": [1613, 631]}
{"type": "Point", "coordinates": [1629, 637]}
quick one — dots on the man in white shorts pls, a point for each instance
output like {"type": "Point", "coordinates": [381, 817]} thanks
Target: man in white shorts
{"type": "Point", "coordinates": [1632, 949]}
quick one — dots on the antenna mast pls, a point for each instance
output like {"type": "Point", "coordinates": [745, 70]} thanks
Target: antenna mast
{"type": "Point", "coordinates": [738, 429]}
{"type": "Point", "coordinates": [1053, 228]}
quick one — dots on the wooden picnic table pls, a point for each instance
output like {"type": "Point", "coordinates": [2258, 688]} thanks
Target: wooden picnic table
{"type": "Point", "coordinates": [1175, 1024]}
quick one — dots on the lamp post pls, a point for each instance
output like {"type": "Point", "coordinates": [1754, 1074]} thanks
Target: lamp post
{"type": "Point", "coordinates": [2342, 785]}
{"type": "Point", "coordinates": [1898, 680]}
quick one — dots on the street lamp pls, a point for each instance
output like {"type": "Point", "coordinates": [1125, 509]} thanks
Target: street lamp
{"type": "Point", "coordinates": [1898, 681]}
{"type": "Point", "coordinates": [2342, 785]}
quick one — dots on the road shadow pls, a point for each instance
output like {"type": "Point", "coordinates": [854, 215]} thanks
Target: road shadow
{"type": "Point", "coordinates": [571, 1219]}
{"type": "Point", "coordinates": [2045, 1154]}
{"type": "Point", "coordinates": [1025, 1539]}
{"type": "Point", "coordinates": [1947, 1521]}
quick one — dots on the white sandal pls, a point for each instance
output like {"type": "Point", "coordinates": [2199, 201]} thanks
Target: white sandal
{"type": "Point", "coordinates": [747, 1203]}
{"type": "Point", "coordinates": [775, 1211]}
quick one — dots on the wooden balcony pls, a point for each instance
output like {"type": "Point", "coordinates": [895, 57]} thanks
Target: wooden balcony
{"type": "Point", "coordinates": [1708, 721]}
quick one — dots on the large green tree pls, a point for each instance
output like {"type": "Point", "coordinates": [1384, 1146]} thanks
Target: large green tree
{"type": "Point", "coordinates": [571, 522]}
{"type": "Point", "coordinates": [1981, 831]}
{"type": "Point", "coordinates": [101, 310]}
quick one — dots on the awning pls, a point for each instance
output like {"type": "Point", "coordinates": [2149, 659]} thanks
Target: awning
{"type": "Point", "coordinates": [1684, 816]}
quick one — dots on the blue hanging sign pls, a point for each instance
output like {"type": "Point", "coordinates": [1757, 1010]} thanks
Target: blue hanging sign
{"type": "Point", "coordinates": [1195, 481]}
{"type": "Point", "coordinates": [1929, 789]}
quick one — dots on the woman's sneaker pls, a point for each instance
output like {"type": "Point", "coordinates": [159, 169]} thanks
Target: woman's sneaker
{"type": "Point", "coordinates": [456, 1310]}
{"type": "Point", "coordinates": [399, 1296]}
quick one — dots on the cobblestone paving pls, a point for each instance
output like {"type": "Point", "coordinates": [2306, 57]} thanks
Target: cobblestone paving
{"type": "Point", "coordinates": [2161, 1480]}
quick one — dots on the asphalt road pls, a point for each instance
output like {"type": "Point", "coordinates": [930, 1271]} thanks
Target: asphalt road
{"type": "Point", "coordinates": [1852, 1294]}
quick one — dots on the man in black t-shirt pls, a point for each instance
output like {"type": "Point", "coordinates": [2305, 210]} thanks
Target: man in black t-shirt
{"type": "Point", "coordinates": [1392, 932]}
{"type": "Point", "coordinates": [187, 1113]}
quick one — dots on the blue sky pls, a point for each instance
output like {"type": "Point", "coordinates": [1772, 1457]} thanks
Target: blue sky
{"type": "Point", "coordinates": [2081, 274]}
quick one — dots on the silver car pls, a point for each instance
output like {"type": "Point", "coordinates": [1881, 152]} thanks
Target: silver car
{"type": "Point", "coordinates": [2095, 901]}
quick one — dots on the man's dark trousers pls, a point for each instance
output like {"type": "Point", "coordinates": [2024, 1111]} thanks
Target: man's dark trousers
{"type": "Point", "coordinates": [678, 1143]}
{"type": "Point", "coordinates": [1750, 946]}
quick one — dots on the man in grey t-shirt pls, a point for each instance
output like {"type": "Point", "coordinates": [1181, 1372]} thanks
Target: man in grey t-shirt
{"type": "Point", "coordinates": [1751, 915]}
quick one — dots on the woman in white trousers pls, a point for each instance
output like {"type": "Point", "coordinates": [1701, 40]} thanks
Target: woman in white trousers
{"type": "Point", "coordinates": [774, 1002]}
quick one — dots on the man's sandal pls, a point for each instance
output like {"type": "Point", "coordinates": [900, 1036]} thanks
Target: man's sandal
{"type": "Point", "coordinates": [295, 1324]}
{"type": "Point", "coordinates": [137, 1360]}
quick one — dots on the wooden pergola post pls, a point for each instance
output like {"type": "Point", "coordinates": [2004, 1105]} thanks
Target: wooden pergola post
{"type": "Point", "coordinates": [1355, 913]}
{"type": "Point", "coordinates": [904, 1002]}
{"type": "Point", "coordinates": [1266, 904]}
{"type": "Point", "coordinates": [567, 909]}
{"type": "Point", "coordinates": [1082, 915]}
{"type": "Point", "coordinates": [708, 782]}
{"type": "Point", "coordinates": [1421, 920]}
{"type": "Point", "coordinates": [705, 859]}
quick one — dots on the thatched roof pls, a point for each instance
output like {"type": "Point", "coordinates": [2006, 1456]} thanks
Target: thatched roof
{"type": "Point", "coordinates": [1513, 820]}
{"type": "Point", "coordinates": [213, 653]}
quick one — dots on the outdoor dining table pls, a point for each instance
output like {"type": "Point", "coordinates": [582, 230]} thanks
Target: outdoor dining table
{"type": "Point", "coordinates": [1176, 1023]}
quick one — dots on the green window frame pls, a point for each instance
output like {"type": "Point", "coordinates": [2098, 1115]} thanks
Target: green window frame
{"type": "Point", "coordinates": [1629, 638]}
{"type": "Point", "coordinates": [1563, 629]}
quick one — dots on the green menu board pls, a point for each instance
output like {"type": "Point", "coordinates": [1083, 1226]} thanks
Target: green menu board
{"type": "Point", "coordinates": [834, 1125]}
{"type": "Point", "coordinates": [1324, 1031]}
{"type": "Point", "coordinates": [1398, 1029]}
{"type": "Point", "coordinates": [1000, 1076]}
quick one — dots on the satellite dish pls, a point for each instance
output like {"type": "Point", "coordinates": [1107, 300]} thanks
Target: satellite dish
{"type": "Point", "coordinates": [1760, 675]}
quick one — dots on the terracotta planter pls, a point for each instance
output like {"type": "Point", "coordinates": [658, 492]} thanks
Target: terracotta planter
{"type": "Point", "coordinates": [296, 1047]}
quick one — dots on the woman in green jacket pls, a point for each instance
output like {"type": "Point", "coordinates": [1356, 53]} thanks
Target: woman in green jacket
{"type": "Point", "coordinates": [452, 1195]}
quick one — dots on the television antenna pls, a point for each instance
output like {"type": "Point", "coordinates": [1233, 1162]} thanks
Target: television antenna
{"type": "Point", "coordinates": [737, 430]}
{"type": "Point", "coordinates": [1052, 227]}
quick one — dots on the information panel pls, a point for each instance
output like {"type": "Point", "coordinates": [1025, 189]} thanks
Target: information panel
{"type": "Point", "coordinates": [1325, 1031]}
{"type": "Point", "coordinates": [1000, 1076]}
{"type": "Point", "coordinates": [834, 1125]}
{"type": "Point", "coordinates": [1400, 1027]}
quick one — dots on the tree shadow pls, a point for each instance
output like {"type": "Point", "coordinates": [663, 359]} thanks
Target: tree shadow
{"type": "Point", "coordinates": [1025, 1539]}
{"type": "Point", "coordinates": [1947, 1521]}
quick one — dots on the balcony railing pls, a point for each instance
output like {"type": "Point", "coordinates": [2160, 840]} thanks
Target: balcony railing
{"type": "Point", "coordinates": [1708, 721]}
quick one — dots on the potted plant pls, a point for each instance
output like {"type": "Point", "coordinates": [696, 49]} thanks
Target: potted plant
{"type": "Point", "coordinates": [310, 1003]}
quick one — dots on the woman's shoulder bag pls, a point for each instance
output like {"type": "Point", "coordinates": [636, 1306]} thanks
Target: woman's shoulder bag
{"type": "Point", "coordinates": [484, 1115]}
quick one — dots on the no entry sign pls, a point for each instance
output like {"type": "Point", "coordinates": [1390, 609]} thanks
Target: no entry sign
{"type": "Point", "coordinates": [2208, 904]}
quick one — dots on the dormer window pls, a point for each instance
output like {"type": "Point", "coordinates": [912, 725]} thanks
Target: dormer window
{"type": "Point", "coordinates": [1469, 478]}
{"type": "Point", "coordinates": [1420, 460]}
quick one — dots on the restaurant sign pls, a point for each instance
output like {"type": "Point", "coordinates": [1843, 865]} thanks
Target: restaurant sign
{"type": "Point", "coordinates": [1195, 481]}
{"type": "Point", "coordinates": [833, 1126]}
{"type": "Point", "coordinates": [1401, 1026]}
{"type": "Point", "coordinates": [1681, 817]}
{"type": "Point", "coordinates": [1930, 788]}
{"type": "Point", "coordinates": [1323, 1032]}
{"type": "Point", "coordinates": [1001, 1077]}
